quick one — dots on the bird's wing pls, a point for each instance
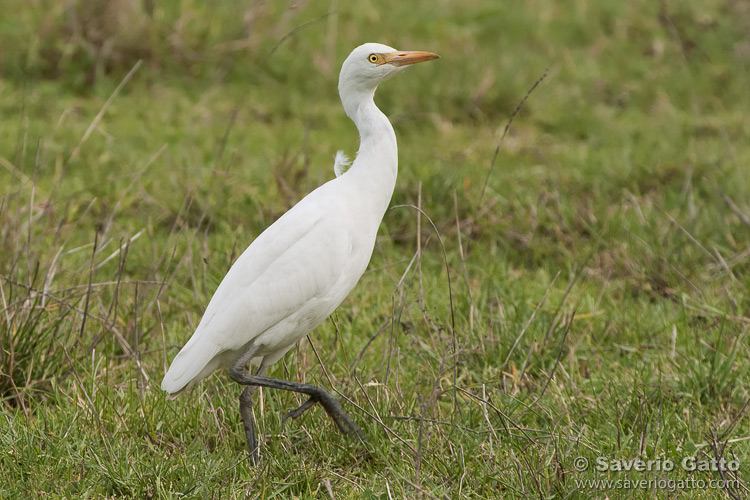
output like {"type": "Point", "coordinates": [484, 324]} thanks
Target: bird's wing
{"type": "Point", "coordinates": [292, 262]}
{"type": "Point", "coordinates": [295, 260]}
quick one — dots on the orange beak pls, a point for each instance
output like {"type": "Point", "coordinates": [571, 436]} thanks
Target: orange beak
{"type": "Point", "coordinates": [405, 58]}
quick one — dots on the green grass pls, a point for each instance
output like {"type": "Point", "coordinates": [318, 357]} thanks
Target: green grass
{"type": "Point", "coordinates": [600, 307]}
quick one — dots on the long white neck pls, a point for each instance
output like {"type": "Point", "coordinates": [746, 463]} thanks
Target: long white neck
{"type": "Point", "coordinates": [376, 165]}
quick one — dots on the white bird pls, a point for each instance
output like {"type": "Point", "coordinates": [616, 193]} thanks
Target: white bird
{"type": "Point", "coordinates": [298, 271]}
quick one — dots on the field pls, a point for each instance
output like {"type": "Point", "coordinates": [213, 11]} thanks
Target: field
{"type": "Point", "coordinates": [571, 300]}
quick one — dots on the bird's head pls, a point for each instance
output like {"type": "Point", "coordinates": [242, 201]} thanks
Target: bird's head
{"type": "Point", "coordinates": [373, 63]}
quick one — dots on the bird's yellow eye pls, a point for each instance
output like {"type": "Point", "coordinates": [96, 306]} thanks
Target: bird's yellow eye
{"type": "Point", "coordinates": [373, 58]}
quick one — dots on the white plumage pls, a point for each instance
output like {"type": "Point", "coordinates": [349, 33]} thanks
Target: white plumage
{"type": "Point", "coordinates": [340, 163]}
{"type": "Point", "coordinates": [295, 274]}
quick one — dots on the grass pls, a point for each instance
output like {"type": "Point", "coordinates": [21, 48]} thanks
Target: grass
{"type": "Point", "coordinates": [599, 282]}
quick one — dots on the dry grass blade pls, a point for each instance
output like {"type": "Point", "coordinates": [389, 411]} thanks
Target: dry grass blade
{"type": "Point", "coordinates": [528, 323]}
{"type": "Point", "coordinates": [461, 248]}
{"type": "Point", "coordinates": [740, 215]}
{"type": "Point", "coordinates": [103, 110]}
{"type": "Point", "coordinates": [88, 290]}
{"type": "Point", "coordinates": [297, 29]}
{"type": "Point", "coordinates": [379, 420]}
{"type": "Point", "coordinates": [557, 359]}
{"type": "Point", "coordinates": [505, 132]}
{"type": "Point", "coordinates": [450, 297]}
{"type": "Point", "coordinates": [86, 394]}
{"type": "Point", "coordinates": [505, 417]}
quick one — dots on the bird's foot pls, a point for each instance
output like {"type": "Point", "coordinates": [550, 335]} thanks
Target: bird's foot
{"type": "Point", "coordinates": [332, 406]}
{"type": "Point", "coordinates": [299, 411]}
{"type": "Point", "coordinates": [339, 416]}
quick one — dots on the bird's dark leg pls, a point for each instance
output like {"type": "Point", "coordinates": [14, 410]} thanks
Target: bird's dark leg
{"type": "Point", "coordinates": [317, 395]}
{"type": "Point", "coordinates": [246, 407]}
{"type": "Point", "coordinates": [248, 422]}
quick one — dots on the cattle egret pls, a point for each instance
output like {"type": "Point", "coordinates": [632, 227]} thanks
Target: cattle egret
{"type": "Point", "coordinates": [298, 271]}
